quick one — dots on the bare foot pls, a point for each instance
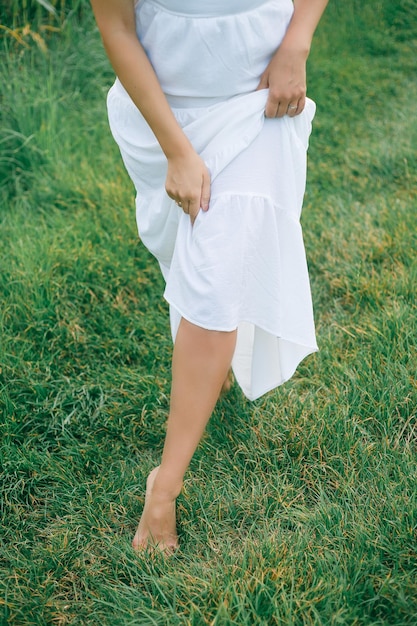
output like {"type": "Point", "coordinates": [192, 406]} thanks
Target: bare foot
{"type": "Point", "coordinates": [227, 385]}
{"type": "Point", "coordinates": [157, 526]}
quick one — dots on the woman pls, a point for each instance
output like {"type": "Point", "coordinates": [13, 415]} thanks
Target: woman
{"type": "Point", "coordinates": [209, 110]}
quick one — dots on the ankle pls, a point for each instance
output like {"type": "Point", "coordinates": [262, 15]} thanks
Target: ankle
{"type": "Point", "coordinates": [165, 486]}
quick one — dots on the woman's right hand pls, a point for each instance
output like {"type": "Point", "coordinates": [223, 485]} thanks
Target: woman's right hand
{"type": "Point", "coordinates": [188, 182]}
{"type": "Point", "coordinates": [188, 179]}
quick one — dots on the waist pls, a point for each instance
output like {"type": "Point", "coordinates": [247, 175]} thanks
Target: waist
{"type": "Point", "coordinates": [210, 8]}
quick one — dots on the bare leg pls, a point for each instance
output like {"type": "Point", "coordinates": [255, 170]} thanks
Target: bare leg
{"type": "Point", "coordinates": [200, 363]}
{"type": "Point", "coordinates": [227, 383]}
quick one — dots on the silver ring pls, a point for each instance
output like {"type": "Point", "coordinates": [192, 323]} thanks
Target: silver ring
{"type": "Point", "coordinates": [179, 204]}
{"type": "Point", "coordinates": [292, 107]}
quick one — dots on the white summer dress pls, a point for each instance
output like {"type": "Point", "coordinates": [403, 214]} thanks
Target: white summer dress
{"type": "Point", "coordinates": [242, 264]}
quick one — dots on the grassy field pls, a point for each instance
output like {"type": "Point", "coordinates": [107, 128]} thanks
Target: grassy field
{"type": "Point", "coordinates": [298, 509]}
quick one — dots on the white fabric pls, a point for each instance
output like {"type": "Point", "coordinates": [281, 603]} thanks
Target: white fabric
{"type": "Point", "coordinates": [242, 265]}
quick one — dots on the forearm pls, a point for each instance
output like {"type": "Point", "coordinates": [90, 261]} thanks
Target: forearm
{"type": "Point", "coordinates": [138, 78]}
{"type": "Point", "coordinates": [306, 16]}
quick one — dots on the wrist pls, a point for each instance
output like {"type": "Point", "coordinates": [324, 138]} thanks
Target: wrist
{"type": "Point", "coordinates": [295, 47]}
{"type": "Point", "coordinates": [298, 37]}
{"type": "Point", "coordinates": [177, 148]}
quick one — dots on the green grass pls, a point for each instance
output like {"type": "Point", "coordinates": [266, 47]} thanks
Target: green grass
{"type": "Point", "coordinates": [299, 508]}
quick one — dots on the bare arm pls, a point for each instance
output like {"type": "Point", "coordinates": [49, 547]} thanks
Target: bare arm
{"type": "Point", "coordinates": [285, 75]}
{"type": "Point", "coordinates": [188, 180]}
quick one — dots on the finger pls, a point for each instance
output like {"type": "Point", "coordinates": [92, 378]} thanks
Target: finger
{"type": "Point", "coordinates": [271, 107]}
{"type": "Point", "coordinates": [301, 105]}
{"type": "Point", "coordinates": [282, 109]}
{"type": "Point", "coordinates": [193, 209]}
{"type": "Point", "coordinates": [292, 109]}
{"type": "Point", "coordinates": [205, 192]}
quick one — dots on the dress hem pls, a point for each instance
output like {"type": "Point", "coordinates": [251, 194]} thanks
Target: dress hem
{"type": "Point", "coordinates": [297, 340]}
{"type": "Point", "coordinates": [252, 398]}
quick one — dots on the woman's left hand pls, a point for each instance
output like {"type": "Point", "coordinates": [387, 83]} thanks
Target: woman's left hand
{"type": "Point", "coordinates": [285, 77]}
